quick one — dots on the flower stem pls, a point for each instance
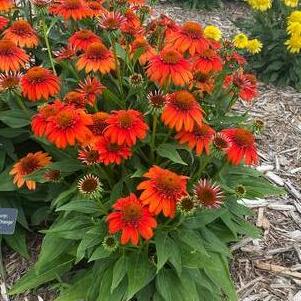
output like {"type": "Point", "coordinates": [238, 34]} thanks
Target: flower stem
{"type": "Point", "coordinates": [47, 44]}
{"type": "Point", "coordinates": [153, 140]}
{"type": "Point", "coordinates": [21, 104]}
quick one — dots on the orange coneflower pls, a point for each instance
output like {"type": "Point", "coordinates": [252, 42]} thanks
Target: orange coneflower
{"type": "Point", "coordinates": [132, 219]}
{"type": "Point", "coordinates": [27, 165]}
{"type": "Point", "coordinates": [203, 83]}
{"type": "Point", "coordinates": [70, 9]}
{"type": "Point", "coordinates": [3, 22]}
{"type": "Point", "coordinates": [75, 99]}
{"type": "Point", "coordinates": [242, 146]}
{"type": "Point", "coordinates": [200, 138]}
{"type": "Point", "coordinates": [246, 84]}
{"type": "Point", "coordinates": [40, 120]}
{"type": "Point", "coordinates": [207, 194]}
{"type": "Point", "coordinates": [182, 111]}
{"type": "Point", "coordinates": [132, 24]}
{"type": "Point", "coordinates": [99, 123]}
{"type": "Point", "coordinates": [39, 83]}
{"type": "Point", "coordinates": [169, 67]}
{"type": "Point", "coordinates": [125, 127]}
{"type": "Point", "coordinates": [189, 37]}
{"type": "Point", "coordinates": [208, 62]}
{"type": "Point", "coordinates": [141, 44]}
{"type": "Point", "coordinates": [112, 153]}
{"type": "Point", "coordinates": [22, 33]}
{"type": "Point", "coordinates": [64, 53]}
{"type": "Point", "coordinates": [90, 89]}
{"type": "Point", "coordinates": [89, 156]}
{"type": "Point", "coordinates": [10, 80]}
{"type": "Point", "coordinates": [12, 58]}
{"type": "Point", "coordinates": [163, 190]}
{"type": "Point", "coordinates": [69, 126]}
{"type": "Point", "coordinates": [96, 58]}
{"type": "Point", "coordinates": [95, 9]}
{"type": "Point", "coordinates": [111, 20]}
{"type": "Point", "coordinates": [81, 39]}
{"type": "Point", "coordinates": [6, 5]}
{"type": "Point", "coordinates": [136, 2]}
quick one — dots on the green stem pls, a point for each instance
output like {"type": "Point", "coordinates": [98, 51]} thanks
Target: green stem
{"type": "Point", "coordinates": [47, 44]}
{"type": "Point", "coordinates": [153, 140]}
{"type": "Point", "coordinates": [22, 105]}
{"type": "Point", "coordinates": [203, 162]}
{"type": "Point", "coordinates": [118, 71]}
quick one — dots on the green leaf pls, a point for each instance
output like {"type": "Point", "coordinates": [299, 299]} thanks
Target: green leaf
{"type": "Point", "coordinates": [34, 279]}
{"type": "Point", "coordinates": [65, 196]}
{"type": "Point", "coordinates": [193, 240]}
{"type": "Point", "coordinates": [120, 52]}
{"type": "Point", "coordinates": [116, 191]}
{"type": "Point", "coordinates": [52, 248]}
{"type": "Point", "coordinates": [106, 282]}
{"type": "Point", "coordinates": [163, 247]}
{"type": "Point", "coordinates": [100, 253]}
{"type": "Point", "coordinates": [77, 291]}
{"type": "Point", "coordinates": [169, 286]}
{"type": "Point", "coordinates": [67, 165]}
{"type": "Point", "coordinates": [83, 206]}
{"type": "Point", "coordinates": [218, 271]}
{"type": "Point", "coordinates": [170, 152]}
{"type": "Point", "coordinates": [15, 118]}
{"type": "Point", "coordinates": [119, 271]}
{"type": "Point", "coordinates": [6, 183]}
{"type": "Point", "coordinates": [175, 256]}
{"type": "Point", "coordinates": [17, 242]}
{"type": "Point", "coordinates": [140, 273]}
{"type": "Point", "coordinates": [204, 218]}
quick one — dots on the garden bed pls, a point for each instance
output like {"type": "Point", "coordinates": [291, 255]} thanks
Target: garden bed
{"type": "Point", "coordinates": [280, 219]}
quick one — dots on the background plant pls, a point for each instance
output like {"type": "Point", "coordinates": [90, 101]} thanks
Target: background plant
{"type": "Point", "coordinates": [277, 25]}
{"type": "Point", "coordinates": [119, 105]}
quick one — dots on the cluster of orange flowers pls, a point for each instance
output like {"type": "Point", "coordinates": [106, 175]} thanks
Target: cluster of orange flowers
{"type": "Point", "coordinates": [182, 57]}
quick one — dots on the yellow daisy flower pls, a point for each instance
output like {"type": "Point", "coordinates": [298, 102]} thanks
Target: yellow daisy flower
{"type": "Point", "coordinates": [291, 3]}
{"type": "Point", "coordinates": [212, 32]}
{"type": "Point", "coordinates": [240, 41]}
{"type": "Point", "coordinates": [294, 44]}
{"type": "Point", "coordinates": [295, 16]}
{"type": "Point", "coordinates": [254, 46]}
{"type": "Point", "coordinates": [294, 28]}
{"type": "Point", "coordinates": [261, 5]}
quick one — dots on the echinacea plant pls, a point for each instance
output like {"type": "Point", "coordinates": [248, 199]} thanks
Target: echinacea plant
{"type": "Point", "coordinates": [131, 137]}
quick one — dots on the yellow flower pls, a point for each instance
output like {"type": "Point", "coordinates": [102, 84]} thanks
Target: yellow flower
{"type": "Point", "coordinates": [295, 16]}
{"type": "Point", "coordinates": [254, 46]}
{"type": "Point", "coordinates": [294, 28]}
{"type": "Point", "coordinates": [291, 3]}
{"type": "Point", "coordinates": [294, 44]}
{"type": "Point", "coordinates": [212, 32]}
{"type": "Point", "coordinates": [240, 41]}
{"type": "Point", "coordinates": [261, 5]}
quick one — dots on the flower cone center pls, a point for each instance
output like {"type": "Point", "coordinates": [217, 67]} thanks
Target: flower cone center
{"type": "Point", "coordinates": [171, 57]}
